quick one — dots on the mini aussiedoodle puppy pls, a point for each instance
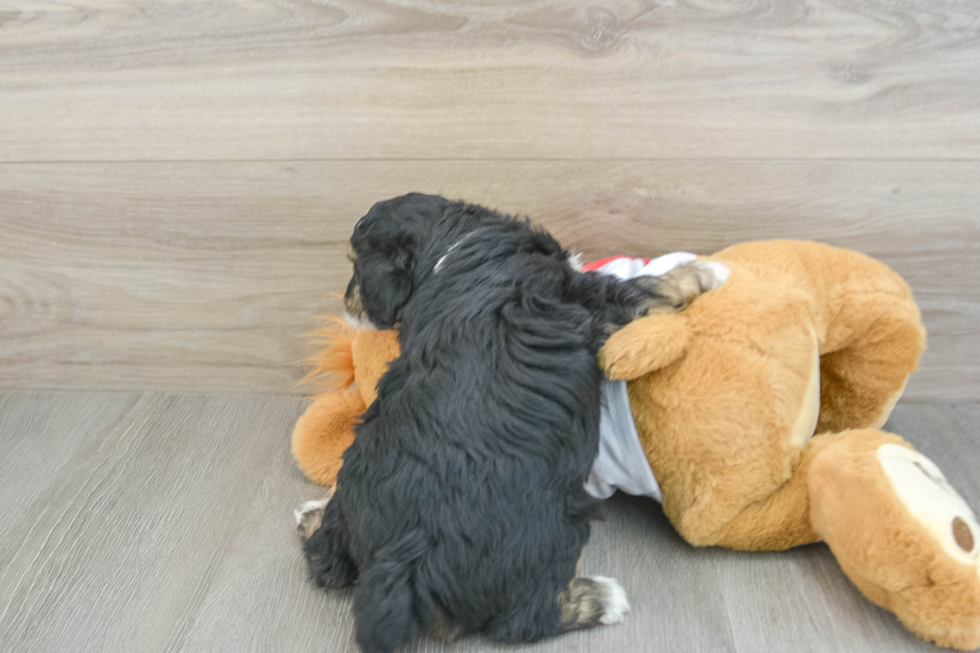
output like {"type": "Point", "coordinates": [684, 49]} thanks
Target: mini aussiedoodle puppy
{"type": "Point", "coordinates": [460, 507]}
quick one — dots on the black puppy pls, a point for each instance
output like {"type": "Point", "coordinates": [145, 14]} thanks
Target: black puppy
{"type": "Point", "coordinates": [460, 506]}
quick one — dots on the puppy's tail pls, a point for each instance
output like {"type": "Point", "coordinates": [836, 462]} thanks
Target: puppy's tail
{"type": "Point", "coordinates": [391, 608]}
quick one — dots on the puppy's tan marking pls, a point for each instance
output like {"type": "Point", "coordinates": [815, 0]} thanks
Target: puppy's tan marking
{"type": "Point", "coordinates": [353, 304]}
{"type": "Point", "coordinates": [443, 628]}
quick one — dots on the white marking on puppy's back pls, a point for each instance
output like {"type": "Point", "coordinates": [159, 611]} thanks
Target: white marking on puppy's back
{"type": "Point", "coordinates": [449, 251]}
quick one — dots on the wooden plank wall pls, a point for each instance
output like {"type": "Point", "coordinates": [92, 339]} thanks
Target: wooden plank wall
{"type": "Point", "coordinates": [177, 179]}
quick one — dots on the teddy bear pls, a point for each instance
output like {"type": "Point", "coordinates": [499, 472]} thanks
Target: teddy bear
{"type": "Point", "coordinates": [754, 416]}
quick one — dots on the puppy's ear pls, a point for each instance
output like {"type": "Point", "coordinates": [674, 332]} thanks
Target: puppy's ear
{"type": "Point", "coordinates": [404, 259]}
{"type": "Point", "coordinates": [387, 285]}
{"type": "Point", "coordinates": [389, 239]}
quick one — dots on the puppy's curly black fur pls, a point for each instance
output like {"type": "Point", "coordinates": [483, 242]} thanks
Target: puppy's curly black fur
{"type": "Point", "coordinates": [460, 506]}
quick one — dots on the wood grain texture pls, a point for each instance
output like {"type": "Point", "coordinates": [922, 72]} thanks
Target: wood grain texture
{"type": "Point", "coordinates": [150, 522]}
{"type": "Point", "coordinates": [119, 549]}
{"type": "Point", "coordinates": [204, 276]}
{"type": "Point", "coordinates": [287, 79]}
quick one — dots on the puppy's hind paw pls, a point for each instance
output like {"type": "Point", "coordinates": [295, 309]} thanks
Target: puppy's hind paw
{"type": "Point", "coordinates": [591, 601]}
{"type": "Point", "coordinates": [309, 516]}
{"type": "Point", "coordinates": [615, 604]}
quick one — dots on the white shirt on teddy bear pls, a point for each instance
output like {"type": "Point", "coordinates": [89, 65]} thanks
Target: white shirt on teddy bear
{"type": "Point", "coordinates": [622, 462]}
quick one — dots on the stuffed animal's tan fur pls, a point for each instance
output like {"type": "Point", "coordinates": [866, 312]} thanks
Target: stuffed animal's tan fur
{"type": "Point", "coordinates": [759, 408]}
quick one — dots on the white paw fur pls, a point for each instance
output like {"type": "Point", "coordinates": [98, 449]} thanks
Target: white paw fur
{"type": "Point", "coordinates": [615, 603]}
{"type": "Point", "coordinates": [308, 507]}
{"type": "Point", "coordinates": [719, 272]}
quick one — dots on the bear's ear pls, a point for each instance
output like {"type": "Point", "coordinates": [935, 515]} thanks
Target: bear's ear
{"type": "Point", "coordinates": [644, 345]}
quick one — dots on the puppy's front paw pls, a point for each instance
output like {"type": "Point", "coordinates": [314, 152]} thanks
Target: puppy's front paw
{"type": "Point", "coordinates": [309, 516]}
{"type": "Point", "coordinates": [674, 291]}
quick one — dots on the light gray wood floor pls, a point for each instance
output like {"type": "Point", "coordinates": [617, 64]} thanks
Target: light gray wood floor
{"type": "Point", "coordinates": [162, 522]}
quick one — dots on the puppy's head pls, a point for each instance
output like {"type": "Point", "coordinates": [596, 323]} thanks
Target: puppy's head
{"type": "Point", "coordinates": [384, 250]}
